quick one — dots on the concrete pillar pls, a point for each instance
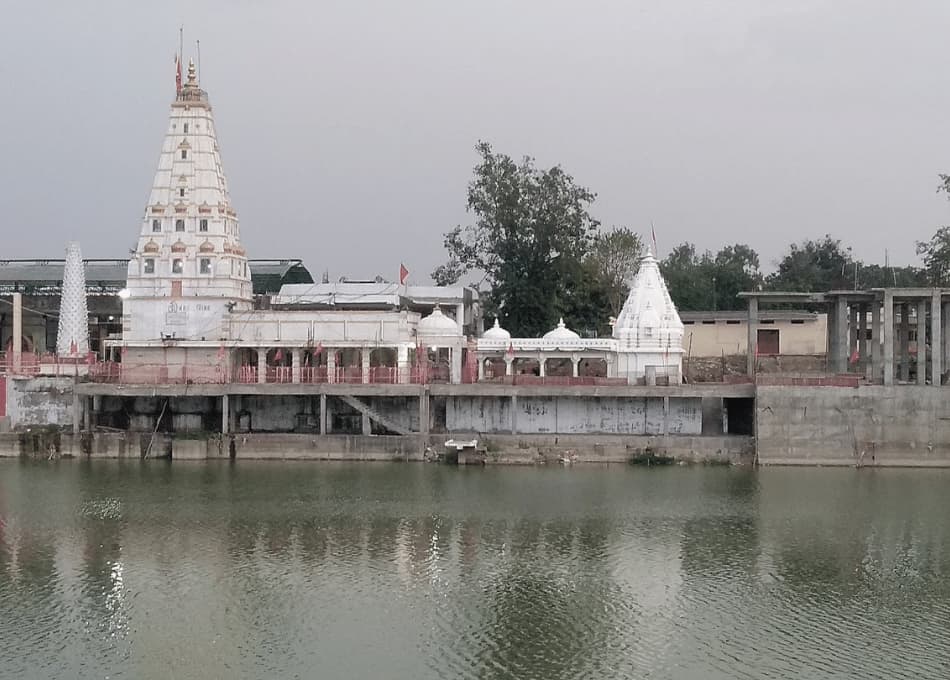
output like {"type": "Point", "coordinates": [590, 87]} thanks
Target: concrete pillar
{"type": "Point", "coordinates": [922, 342]}
{"type": "Point", "coordinates": [854, 332]}
{"type": "Point", "coordinates": [887, 337]}
{"type": "Point", "coordinates": [331, 365]}
{"type": "Point", "coordinates": [575, 366]}
{"type": "Point", "coordinates": [666, 415]}
{"type": "Point", "coordinates": [649, 375]}
{"type": "Point", "coordinates": [77, 412]}
{"type": "Point", "coordinates": [87, 414]}
{"type": "Point", "coordinates": [509, 366]}
{"type": "Point", "coordinates": [17, 332]}
{"type": "Point", "coordinates": [936, 339]}
{"type": "Point", "coordinates": [945, 334]}
{"type": "Point", "coordinates": [261, 365]}
{"type": "Point", "coordinates": [364, 368]}
{"type": "Point", "coordinates": [367, 425]}
{"type": "Point", "coordinates": [295, 357]}
{"type": "Point", "coordinates": [225, 414]}
{"type": "Point", "coordinates": [460, 316]}
{"type": "Point", "coordinates": [842, 339]}
{"type": "Point", "coordinates": [863, 345]}
{"type": "Point", "coordinates": [831, 351]}
{"type": "Point", "coordinates": [542, 365]}
{"type": "Point", "coordinates": [323, 413]}
{"type": "Point", "coordinates": [481, 368]}
{"type": "Point", "coordinates": [752, 349]}
{"type": "Point", "coordinates": [514, 414]}
{"type": "Point", "coordinates": [904, 342]}
{"type": "Point", "coordinates": [877, 371]}
{"type": "Point", "coordinates": [424, 410]}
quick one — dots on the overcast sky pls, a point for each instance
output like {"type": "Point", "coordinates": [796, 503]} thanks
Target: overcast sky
{"type": "Point", "coordinates": [347, 127]}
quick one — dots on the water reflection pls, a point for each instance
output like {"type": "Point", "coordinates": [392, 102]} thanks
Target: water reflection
{"type": "Point", "coordinates": [423, 571]}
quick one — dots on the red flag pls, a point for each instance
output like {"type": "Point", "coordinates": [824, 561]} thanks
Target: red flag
{"type": "Point", "coordinates": [653, 233]}
{"type": "Point", "coordinates": [403, 274]}
{"type": "Point", "coordinates": [511, 350]}
{"type": "Point", "coordinates": [279, 355]}
{"type": "Point", "coordinates": [177, 74]}
{"type": "Point", "coordinates": [73, 348]}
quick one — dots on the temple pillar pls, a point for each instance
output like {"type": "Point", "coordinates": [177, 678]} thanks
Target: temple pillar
{"type": "Point", "coordinates": [402, 365]}
{"type": "Point", "coordinates": [331, 365]}
{"type": "Point", "coordinates": [922, 342]}
{"type": "Point", "coordinates": [364, 365]}
{"type": "Point", "coordinates": [295, 358]}
{"type": "Point", "coordinates": [261, 364]}
{"type": "Point", "coordinates": [455, 364]}
{"type": "Point", "coordinates": [509, 366]}
{"type": "Point", "coordinates": [481, 368]}
{"type": "Point", "coordinates": [542, 364]}
{"type": "Point", "coordinates": [887, 337]}
{"type": "Point", "coordinates": [575, 366]}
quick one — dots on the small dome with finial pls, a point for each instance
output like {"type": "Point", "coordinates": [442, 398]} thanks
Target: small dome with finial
{"type": "Point", "coordinates": [496, 332]}
{"type": "Point", "coordinates": [562, 332]}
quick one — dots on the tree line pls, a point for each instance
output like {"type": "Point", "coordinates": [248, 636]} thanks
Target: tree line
{"type": "Point", "coordinates": [536, 254]}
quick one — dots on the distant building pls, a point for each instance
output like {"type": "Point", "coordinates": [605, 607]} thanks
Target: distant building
{"type": "Point", "coordinates": [712, 334]}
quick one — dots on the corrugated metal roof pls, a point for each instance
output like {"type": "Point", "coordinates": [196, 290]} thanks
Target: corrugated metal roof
{"type": "Point", "coordinates": [45, 276]}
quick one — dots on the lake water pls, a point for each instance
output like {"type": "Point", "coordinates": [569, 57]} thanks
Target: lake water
{"type": "Point", "coordinates": [267, 570]}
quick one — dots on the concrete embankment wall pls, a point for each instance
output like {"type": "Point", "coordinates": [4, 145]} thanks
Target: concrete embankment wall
{"type": "Point", "coordinates": [902, 425]}
{"type": "Point", "coordinates": [497, 449]}
{"type": "Point", "coordinates": [41, 401]}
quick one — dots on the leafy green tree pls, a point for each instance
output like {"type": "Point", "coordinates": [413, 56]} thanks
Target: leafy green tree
{"type": "Point", "coordinates": [701, 282]}
{"type": "Point", "coordinates": [615, 259]}
{"type": "Point", "coordinates": [814, 266]}
{"type": "Point", "coordinates": [530, 234]}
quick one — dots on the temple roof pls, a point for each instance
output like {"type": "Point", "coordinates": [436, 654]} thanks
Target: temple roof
{"type": "Point", "coordinates": [648, 317]}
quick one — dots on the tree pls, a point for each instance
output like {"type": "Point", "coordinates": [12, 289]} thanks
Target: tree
{"type": "Point", "coordinates": [530, 233]}
{"type": "Point", "coordinates": [735, 269]}
{"type": "Point", "coordinates": [814, 266]}
{"type": "Point", "coordinates": [615, 258]}
{"type": "Point", "coordinates": [700, 282]}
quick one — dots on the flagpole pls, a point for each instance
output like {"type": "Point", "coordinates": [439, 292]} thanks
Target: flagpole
{"type": "Point", "coordinates": [198, 57]}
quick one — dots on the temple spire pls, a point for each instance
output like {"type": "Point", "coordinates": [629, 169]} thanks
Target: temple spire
{"type": "Point", "coordinates": [72, 336]}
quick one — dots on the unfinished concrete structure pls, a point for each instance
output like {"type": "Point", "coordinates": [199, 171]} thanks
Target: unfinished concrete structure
{"type": "Point", "coordinates": [884, 335]}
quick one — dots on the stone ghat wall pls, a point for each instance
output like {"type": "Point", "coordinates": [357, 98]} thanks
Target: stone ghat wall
{"type": "Point", "coordinates": [903, 425]}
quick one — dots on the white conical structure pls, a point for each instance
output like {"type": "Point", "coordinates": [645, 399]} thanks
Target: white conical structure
{"type": "Point", "coordinates": [648, 330]}
{"type": "Point", "coordinates": [189, 270]}
{"type": "Point", "coordinates": [72, 337]}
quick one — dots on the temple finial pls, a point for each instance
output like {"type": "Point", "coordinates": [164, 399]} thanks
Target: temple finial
{"type": "Point", "coordinates": [191, 72]}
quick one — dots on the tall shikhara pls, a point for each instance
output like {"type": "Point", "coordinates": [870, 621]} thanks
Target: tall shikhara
{"type": "Point", "coordinates": [72, 338]}
{"type": "Point", "coordinates": [189, 271]}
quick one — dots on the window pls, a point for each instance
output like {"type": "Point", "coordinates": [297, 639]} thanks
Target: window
{"type": "Point", "coordinates": [186, 128]}
{"type": "Point", "coordinates": [179, 225]}
{"type": "Point", "coordinates": [156, 225]}
{"type": "Point", "coordinates": [766, 322]}
{"type": "Point", "coordinates": [176, 289]}
{"type": "Point", "coordinates": [203, 225]}
{"type": "Point", "coordinates": [149, 266]}
{"type": "Point", "coordinates": [181, 192]}
{"type": "Point", "coordinates": [204, 265]}
{"type": "Point", "coordinates": [768, 341]}
{"type": "Point", "coordinates": [178, 266]}
{"type": "Point", "coordinates": [688, 323]}
{"type": "Point", "coordinates": [733, 322]}
{"type": "Point", "coordinates": [708, 322]}
{"type": "Point", "coordinates": [184, 154]}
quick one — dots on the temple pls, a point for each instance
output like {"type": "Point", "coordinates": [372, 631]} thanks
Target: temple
{"type": "Point", "coordinates": [189, 314]}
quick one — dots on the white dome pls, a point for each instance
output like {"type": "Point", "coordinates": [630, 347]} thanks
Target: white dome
{"type": "Point", "coordinates": [437, 323]}
{"type": "Point", "coordinates": [496, 332]}
{"type": "Point", "coordinates": [562, 332]}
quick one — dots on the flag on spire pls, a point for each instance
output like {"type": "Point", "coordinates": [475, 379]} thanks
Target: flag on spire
{"type": "Point", "coordinates": [653, 233]}
{"type": "Point", "coordinates": [403, 274]}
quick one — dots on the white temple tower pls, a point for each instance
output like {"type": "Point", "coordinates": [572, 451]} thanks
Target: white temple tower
{"type": "Point", "coordinates": [648, 331]}
{"type": "Point", "coordinates": [72, 336]}
{"type": "Point", "coordinates": [189, 270]}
